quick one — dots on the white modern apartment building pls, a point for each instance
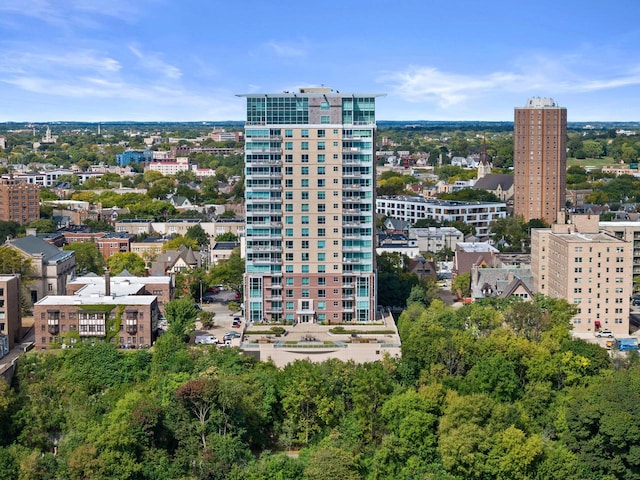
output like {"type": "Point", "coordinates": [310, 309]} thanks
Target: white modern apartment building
{"type": "Point", "coordinates": [411, 209]}
{"type": "Point", "coordinates": [310, 192]}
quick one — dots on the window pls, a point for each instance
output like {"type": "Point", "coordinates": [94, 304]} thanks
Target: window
{"type": "Point", "coordinates": [321, 207]}
{"type": "Point", "coordinates": [288, 207]}
{"type": "Point", "coordinates": [305, 243]}
{"type": "Point", "coordinates": [304, 133]}
{"type": "Point", "coordinates": [324, 119]}
{"type": "Point", "coordinates": [321, 158]}
{"type": "Point", "coordinates": [304, 170]}
{"type": "Point", "coordinates": [288, 232]}
{"type": "Point", "coordinates": [324, 105]}
{"type": "Point", "coordinates": [322, 182]}
{"type": "Point", "coordinates": [288, 195]}
{"type": "Point", "coordinates": [288, 281]}
{"type": "Point", "coordinates": [321, 145]}
{"type": "Point", "coordinates": [305, 232]}
{"type": "Point", "coordinates": [288, 158]}
{"type": "Point", "coordinates": [288, 183]}
{"type": "Point", "coordinates": [288, 257]}
{"type": "Point", "coordinates": [321, 244]}
{"type": "Point", "coordinates": [288, 133]}
{"type": "Point", "coordinates": [305, 281]}
{"type": "Point", "coordinates": [321, 170]}
{"type": "Point", "coordinates": [322, 232]}
{"type": "Point", "coordinates": [288, 170]}
{"type": "Point", "coordinates": [288, 244]}
{"type": "Point", "coordinates": [321, 195]}
{"type": "Point", "coordinates": [304, 158]}
{"type": "Point", "coordinates": [321, 257]}
{"type": "Point", "coordinates": [305, 220]}
{"type": "Point", "coordinates": [305, 293]}
{"type": "Point", "coordinates": [321, 220]}
{"type": "Point", "coordinates": [321, 133]}
{"type": "Point", "coordinates": [305, 183]}
{"type": "Point", "coordinates": [289, 268]}
{"type": "Point", "coordinates": [288, 220]}
{"type": "Point", "coordinates": [288, 293]}
{"type": "Point", "coordinates": [289, 305]}
{"type": "Point", "coordinates": [288, 145]}
{"type": "Point", "coordinates": [304, 145]}
{"type": "Point", "coordinates": [305, 268]}
{"type": "Point", "coordinates": [305, 195]}
{"type": "Point", "coordinates": [305, 207]}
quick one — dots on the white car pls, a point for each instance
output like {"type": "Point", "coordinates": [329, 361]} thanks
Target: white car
{"type": "Point", "coordinates": [604, 333]}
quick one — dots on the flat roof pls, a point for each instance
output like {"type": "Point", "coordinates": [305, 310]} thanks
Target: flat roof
{"type": "Point", "coordinates": [75, 300]}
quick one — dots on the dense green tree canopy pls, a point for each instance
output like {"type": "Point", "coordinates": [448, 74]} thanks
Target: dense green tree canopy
{"type": "Point", "coordinates": [88, 257]}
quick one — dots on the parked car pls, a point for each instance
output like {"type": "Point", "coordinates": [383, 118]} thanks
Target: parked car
{"type": "Point", "coordinates": [208, 297]}
{"type": "Point", "coordinates": [237, 296]}
{"type": "Point", "coordinates": [606, 333]}
{"type": "Point", "coordinates": [230, 335]}
{"type": "Point", "coordinates": [206, 339]}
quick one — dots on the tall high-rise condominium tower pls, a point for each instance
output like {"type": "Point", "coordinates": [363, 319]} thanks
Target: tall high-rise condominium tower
{"type": "Point", "coordinates": [540, 159]}
{"type": "Point", "coordinates": [310, 207]}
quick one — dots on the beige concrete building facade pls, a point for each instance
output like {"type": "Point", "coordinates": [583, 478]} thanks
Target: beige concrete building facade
{"type": "Point", "coordinates": [540, 159]}
{"type": "Point", "coordinates": [588, 267]}
{"type": "Point", "coordinates": [629, 232]}
{"type": "Point", "coordinates": [10, 317]}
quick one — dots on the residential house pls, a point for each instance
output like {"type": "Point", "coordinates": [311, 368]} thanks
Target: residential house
{"type": "Point", "coordinates": [175, 261]}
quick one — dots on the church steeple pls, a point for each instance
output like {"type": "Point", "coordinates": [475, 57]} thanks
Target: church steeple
{"type": "Point", "coordinates": [485, 165]}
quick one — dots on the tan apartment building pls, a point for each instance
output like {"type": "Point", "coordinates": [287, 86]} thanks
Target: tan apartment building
{"type": "Point", "coordinates": [586, 266]}
{"type": "Point", "coordinates": [51, 267]}
{"type": "Point", "coordinates": [310, 207]}
{"type": "Point", "coordinates": [629, 232]}
{"type": "Point", "coordinates": [540, 159]}
{"type": "Point", "coordinates": [10, 317]}
{"type": "Point", "coordinates": [19, 200]}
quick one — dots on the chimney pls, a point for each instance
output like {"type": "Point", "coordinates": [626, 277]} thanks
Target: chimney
{"type": "Point", "coordinates": [107, 283]}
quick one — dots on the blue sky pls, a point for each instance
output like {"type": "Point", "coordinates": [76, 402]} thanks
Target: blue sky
{"type": "Point", "coordinates": [184, 60]}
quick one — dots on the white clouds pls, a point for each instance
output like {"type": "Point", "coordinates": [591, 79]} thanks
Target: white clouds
{"type": "Point", "coordinates": [154, 63]}
{"type": "Point", "coordinates": [72, 13]}
{"type": "Point", "coordinates": [533, 75]}
{"type": "Point", "coordinates": [287, 50]}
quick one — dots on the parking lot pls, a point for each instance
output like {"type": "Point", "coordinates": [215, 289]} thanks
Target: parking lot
{"type": "Point", "coordinates": [223, 320]}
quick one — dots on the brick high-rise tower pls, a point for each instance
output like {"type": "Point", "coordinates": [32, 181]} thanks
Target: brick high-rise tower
{"type": "Point", "coordinates": [540, 159]}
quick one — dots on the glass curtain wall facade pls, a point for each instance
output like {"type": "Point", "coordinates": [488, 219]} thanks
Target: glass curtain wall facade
{"type": "Point", "coordinates": [310, 207]}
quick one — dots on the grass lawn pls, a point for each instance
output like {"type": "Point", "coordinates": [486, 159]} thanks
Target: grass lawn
{"type": "Point", "coordinates": [594, 162]}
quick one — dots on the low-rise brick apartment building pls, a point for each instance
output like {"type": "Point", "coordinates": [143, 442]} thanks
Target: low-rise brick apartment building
{"type": "Point", "coordinates": [117, 310]}
{"type": "Point", "coordinates": [161, 286]}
